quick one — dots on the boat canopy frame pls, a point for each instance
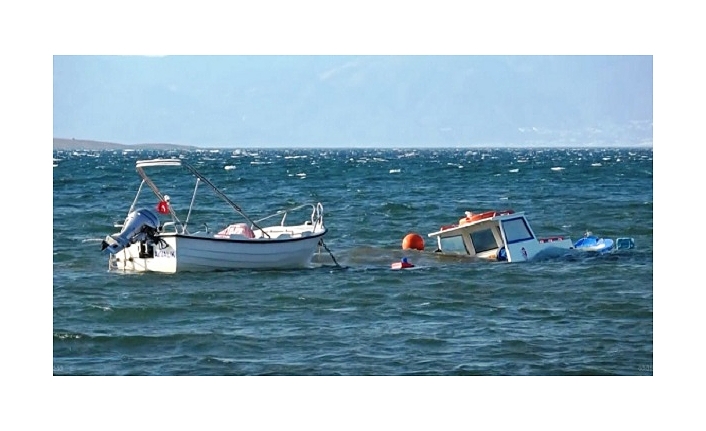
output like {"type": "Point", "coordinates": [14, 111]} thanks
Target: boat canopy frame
{"type": "Point", "coordinates": [182, 226]}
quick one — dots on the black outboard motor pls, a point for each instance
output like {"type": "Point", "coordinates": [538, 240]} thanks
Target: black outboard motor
{"type": "Point", "coordinates": [138, 226]}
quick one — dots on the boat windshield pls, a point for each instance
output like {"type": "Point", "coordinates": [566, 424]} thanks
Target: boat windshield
{"type": "Point", "coordinates": [516, 230]}
{"type": "Point", "coordinates": [483, 240]}
{"type": "Point", "coordinates": [453, 244]}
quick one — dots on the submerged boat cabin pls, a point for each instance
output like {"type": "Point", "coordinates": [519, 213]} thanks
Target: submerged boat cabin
{"type": "Point", "coordinates": [495, 235]}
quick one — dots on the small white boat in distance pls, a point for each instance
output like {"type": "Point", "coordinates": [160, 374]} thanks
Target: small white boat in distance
{"type": "Point", "coordinates": [496, 235]}
{"type": "Point", "coordinates": [163, 241]}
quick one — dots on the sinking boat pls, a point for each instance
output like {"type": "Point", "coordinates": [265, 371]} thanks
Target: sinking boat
{"type": "Point", "coordinates": [506, 236]}
{"type": "Point", "coordinates": [166, 239]}
{"type": "Point", "coordinates": [503, 235]}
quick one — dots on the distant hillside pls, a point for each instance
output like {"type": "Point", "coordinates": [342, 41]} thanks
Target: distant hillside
{"type": "Point", "coordinates": [81, 144]}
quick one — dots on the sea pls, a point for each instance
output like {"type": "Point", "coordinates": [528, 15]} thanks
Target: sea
{"type": "Point", "coordinates": [349, 313]}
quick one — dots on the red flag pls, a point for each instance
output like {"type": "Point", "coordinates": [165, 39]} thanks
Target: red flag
{"type": "Point", "coordinates": [163, 207]}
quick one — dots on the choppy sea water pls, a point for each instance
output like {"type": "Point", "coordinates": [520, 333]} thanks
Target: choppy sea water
{"type": "Point", "coordinates": [572, 315]}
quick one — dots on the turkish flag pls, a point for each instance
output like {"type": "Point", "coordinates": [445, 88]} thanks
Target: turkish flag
{"type": "Point", "coordinates": [163, 207]}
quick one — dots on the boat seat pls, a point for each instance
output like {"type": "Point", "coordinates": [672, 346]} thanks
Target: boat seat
{"type": "Point", "coordinates": [238, 229]}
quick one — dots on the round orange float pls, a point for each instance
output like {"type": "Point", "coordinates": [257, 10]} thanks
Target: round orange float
{"type": "Point", "coordinates": [414, 241]}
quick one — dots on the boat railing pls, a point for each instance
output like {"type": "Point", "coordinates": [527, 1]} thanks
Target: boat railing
{"type": "Point", "coordinates": [317, 213]}
{"type": "Point", "coordinates": [169, 224]}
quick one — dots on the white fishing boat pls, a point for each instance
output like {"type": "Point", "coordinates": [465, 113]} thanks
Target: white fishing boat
{"type": "Point", "coordinates": [496, 235]}
{"type": "Point", "coordinates": [506, 236]}
{"type": "Point", "coordinates": [168, 241]}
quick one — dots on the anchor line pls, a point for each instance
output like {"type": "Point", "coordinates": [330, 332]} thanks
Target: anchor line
{"type": "Point", "coordinates": [321, 243]}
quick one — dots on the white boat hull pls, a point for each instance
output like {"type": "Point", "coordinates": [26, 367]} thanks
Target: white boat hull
{"type": "Point", "coordinates": [181, 253]}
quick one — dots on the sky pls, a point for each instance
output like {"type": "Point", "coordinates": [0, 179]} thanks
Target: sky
{"type": "Point", "coordinates": [36, 34]}
{"type": "Point", "coordinates": [355, 100]}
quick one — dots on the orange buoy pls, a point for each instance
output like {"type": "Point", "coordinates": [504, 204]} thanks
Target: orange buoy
{"type": "Point", "coordinates": [413, 240]}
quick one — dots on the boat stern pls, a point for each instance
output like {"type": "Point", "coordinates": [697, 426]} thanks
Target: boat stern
{"type": "Point", "coordinates": [138, 225]}
{"type": "Point", "coordinates": [147, 256]}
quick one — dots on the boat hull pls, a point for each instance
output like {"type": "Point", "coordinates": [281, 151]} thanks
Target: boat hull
{"type": "Point", "coordinates": [186, 253]}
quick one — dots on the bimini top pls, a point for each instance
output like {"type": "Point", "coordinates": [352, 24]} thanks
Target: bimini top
{"type": "Point", "coordinates": [158, 162]}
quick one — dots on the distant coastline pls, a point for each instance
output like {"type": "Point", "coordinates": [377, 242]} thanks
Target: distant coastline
{"type": "Point", "coordinates": [62, 144]}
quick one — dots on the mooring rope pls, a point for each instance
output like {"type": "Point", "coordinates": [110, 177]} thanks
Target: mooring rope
{"type": "Point", "coordinates": [321, 243]}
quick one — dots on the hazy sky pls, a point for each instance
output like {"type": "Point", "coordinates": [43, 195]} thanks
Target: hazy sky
{"type": "Point", "coordinates": [294, 101]}
{"type": "Point", "coordinates": [290, 101]}
{"type": "Point", "coordinates": [111, 80]}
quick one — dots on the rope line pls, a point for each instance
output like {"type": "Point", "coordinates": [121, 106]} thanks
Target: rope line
{"type": "Point", "coordinates": [321, 243]}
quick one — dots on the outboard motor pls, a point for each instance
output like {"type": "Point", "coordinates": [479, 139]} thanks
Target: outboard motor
{"type": "Point", "coordinates": [138, 225]}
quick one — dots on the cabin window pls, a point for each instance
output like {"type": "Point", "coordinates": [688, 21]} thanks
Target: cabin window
{"type": "Point", "coordinates": [516, 230]}
{"type": "Point", "coordinates": [453, 244]}
{"type": "Point", "coordinates": [483, 240]}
